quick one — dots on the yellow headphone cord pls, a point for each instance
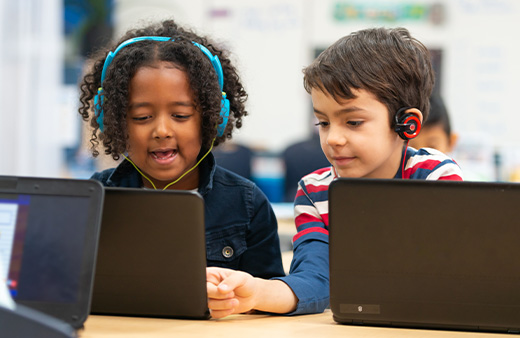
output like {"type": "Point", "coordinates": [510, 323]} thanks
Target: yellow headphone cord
{"type": "Point", "coordinates": [177, 180]}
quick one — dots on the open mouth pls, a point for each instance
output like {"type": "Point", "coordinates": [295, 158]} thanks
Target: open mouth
{"type": "Point", "coordinates": [163, 155]}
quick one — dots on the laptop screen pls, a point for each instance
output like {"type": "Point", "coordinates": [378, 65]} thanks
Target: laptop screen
{"type": "Point", "coordinates": [48, 240]}
{"type": "Point", "coordinates": [42, 252]}
{"type": "Point", "coordinates": [419, 253]}
{"type": "Point", "coordinates": [152, 255]}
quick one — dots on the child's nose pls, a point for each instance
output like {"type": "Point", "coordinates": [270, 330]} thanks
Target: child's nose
{"type": "Point", "coordinates": [163, 127]}
{"type": "Point", "coordinates": [336, 137]}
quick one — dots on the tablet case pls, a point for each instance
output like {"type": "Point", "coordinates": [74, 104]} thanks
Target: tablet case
{"type": "Point", "coordinates": [425, 254]}
{"type": "Point", "coordinates": [152, 255]}
{"type": "Point", "coordinates": [53, 247]}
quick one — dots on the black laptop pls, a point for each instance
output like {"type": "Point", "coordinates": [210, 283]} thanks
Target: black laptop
{"type": "Point", "coordinates": [48, 239]}
{"type": "Point", "coordinates": [425, 254]}
{"type": "Point", "coordinates": [152, 255]}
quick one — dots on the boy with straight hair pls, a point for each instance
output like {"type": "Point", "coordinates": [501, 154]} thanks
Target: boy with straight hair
{"type": "Point", "coordinates": [370, 92]}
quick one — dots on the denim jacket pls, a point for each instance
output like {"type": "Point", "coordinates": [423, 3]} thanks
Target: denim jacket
{"type": "Point", "coordinates": [241, 228]}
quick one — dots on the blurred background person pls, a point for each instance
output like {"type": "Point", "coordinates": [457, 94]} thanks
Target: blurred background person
{"type": "Point", "coordinates": [436, 131]}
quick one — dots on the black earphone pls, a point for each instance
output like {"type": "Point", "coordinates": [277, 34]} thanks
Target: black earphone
{"type": "Point", "coordinates": [407, 125]}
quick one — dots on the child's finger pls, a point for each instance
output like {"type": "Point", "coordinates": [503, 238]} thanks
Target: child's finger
{"type": "Point", "coordinates": [223, 305]}
{"type": "Point", "coordinates": [214, 292]}
{"type": "Point", "coordinates": [232, 282]}
{"type": "Point", "coordinates": [216, 275]}
{"type": "Point", "coordinates": [220, 313]}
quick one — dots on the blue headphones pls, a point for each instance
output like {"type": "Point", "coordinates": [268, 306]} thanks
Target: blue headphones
{"type": "Point", "coordinates": [224, 110]}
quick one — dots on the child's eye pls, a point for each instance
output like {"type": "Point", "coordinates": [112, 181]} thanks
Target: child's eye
{"type": "Point", "coordinates": [355, 123]}
{"type": "Point", "coordinates": [181, 116]}
{"type": "Point", "coordinates": [140, 118]}
{"type": "Point", "coordinates": [322, 124]}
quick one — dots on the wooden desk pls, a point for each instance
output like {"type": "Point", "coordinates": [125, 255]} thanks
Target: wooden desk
{"type": "Point", "coordinates": [252, 325]}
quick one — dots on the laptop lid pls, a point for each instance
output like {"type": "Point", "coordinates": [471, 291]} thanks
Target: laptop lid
{"type": "Point", "coordinates": [429, 254]}
{"type": "Point", "coordinates": [48, 239]}
{"type": "Point", "coordinates": [152, 255]}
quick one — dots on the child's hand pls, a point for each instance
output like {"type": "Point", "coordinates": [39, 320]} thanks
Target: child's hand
{"type": "Point", "coordinates": [230, 291]}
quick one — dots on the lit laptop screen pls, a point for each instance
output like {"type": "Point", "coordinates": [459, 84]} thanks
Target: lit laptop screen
{"type": "Point", "coordinates": [41, 241]}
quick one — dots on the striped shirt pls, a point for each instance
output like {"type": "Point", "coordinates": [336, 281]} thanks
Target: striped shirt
{"type": "Point", "coordinates": [308, 276]}
{"type": "Point", "coordinates": [311, 206]}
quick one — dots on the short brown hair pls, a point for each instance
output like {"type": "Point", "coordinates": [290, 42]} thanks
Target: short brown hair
{"type": "Point", "coordinates": [388, 63]}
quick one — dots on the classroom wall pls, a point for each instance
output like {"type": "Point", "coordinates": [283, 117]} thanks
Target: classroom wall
{"type": "Point", "coordinates": [271, 42]}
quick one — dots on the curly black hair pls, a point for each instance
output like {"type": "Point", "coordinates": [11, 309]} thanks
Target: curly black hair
{"type": "Point", "coordinates": [185, 55]}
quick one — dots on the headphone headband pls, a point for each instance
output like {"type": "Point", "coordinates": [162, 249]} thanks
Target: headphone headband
{"type": "Point", "coordinates": [215, 62]}
{"type": "Point", "coordinates": [212, 58]}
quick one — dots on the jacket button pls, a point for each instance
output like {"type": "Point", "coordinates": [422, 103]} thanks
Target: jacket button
{"type": "Point", "coordinates": [227, 252]}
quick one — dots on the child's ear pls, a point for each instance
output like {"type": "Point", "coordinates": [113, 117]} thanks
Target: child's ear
{"type": "Point", "coordinates": [416, 112]}
{"type": "Point", "coordinates": [453, 138]}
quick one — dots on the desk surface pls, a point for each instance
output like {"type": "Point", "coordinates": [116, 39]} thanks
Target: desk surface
{"type": "Point", "coordinates": [252, 325]}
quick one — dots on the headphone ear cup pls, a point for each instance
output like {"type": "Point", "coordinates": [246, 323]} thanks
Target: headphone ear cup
{"type": "Point", "coordinates": [408, 126]}
{"type": "Point", "coordinates": [224, 113]}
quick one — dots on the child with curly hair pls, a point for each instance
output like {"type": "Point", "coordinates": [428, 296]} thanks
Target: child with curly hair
{"type": "Point", "coordinates": [162, 97]}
